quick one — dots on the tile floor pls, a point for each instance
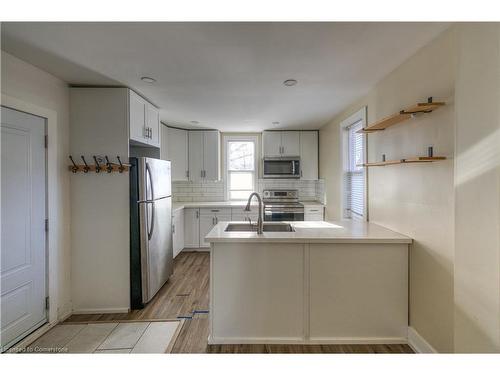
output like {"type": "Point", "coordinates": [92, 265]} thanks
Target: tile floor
{"type": "Point", "coordinates": [110, 337]}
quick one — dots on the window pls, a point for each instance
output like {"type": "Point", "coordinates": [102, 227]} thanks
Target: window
{"type": "Point", "coordinates": [240, 166]}
{"type": "Point", "coordinates": [354, 191]}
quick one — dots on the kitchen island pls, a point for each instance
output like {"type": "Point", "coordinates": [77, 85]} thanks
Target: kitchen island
{"type": "Point", "coordinates": [320, 282]}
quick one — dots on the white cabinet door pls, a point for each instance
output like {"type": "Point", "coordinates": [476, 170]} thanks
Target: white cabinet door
{"type": "Point", "coordinates": [191, 227]}
{"type": "Point", "coordinates": [207, 222]}
{"type": "Point", "coordinates": [177, 152]}
{"type": "Point", "coordinates": [178, 232]}
{"type": "Point", "coordinates": [195, 155]}
{"type": "Point", "coordinates": [290, 143]}
{"type": "Point", "coordinates": [211, 146]}
{"type": "Point", "coordinates": [153, 125]}
{"type": "Point", "coordinates": [309, 155]}
{"type": "Point", "coordinates": [271, 144]}
{"type": "Point", "coordinates": [137, 118]}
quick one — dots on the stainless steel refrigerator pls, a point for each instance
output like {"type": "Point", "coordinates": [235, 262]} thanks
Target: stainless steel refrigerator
{"type": "Point", "coordinates": [151, 250]}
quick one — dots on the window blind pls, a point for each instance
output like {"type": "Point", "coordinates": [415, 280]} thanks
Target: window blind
{"type": "Point", "coordinates": [355, 174]}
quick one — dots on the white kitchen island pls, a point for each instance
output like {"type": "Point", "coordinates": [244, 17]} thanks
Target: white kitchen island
{"type": "Point", "coordinates": [325, 282]}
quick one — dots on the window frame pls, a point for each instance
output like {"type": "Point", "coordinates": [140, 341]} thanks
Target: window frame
{"type": "Point", "coordinates": [358, 116]}
{"type": "Point", "coordinates": [239, 138]}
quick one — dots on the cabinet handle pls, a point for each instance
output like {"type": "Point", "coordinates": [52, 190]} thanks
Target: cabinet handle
{"type": "Point", "coordinates": [187, 174]}
{"type": "Point", "coordinates": [213, 221]}
{"type": "Point", "coordinates": [197, 214]}
{"type": "Point", "coordinates": [173, 228]}
{"type": "Point", "coordinates": [216, 220]}
{"type": "Point", "coordinates": [201, 173]}
{"type": "Point", "coordinates": [150, 133]}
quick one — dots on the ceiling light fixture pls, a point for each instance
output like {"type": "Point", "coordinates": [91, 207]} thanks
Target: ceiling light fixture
{"type": "Point", "coordinates": [290, 82]}
{"type": "Point", "coordinates": [148, 79]}
{"type": "Point", "coordinates": [276, 122]}
{"type": "Point", "coordinates": [194, 122]}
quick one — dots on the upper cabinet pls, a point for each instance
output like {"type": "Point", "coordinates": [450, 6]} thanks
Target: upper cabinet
{"type": "Point", "coordinates": [290, 143]}
{"type": "Point", "coordinates": [144, 121]}
{"type": "Point", "coordinates": [309, 155]}
{"type": "Point", "coordinates": [204, 151]}
{"type": "Point", "coordinates": [174, 147]}
{"type": "Point", "coordinates": [281, 143]}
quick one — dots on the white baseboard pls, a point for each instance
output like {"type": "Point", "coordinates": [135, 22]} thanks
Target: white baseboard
{"type": "Point", "coordinates": [418, 343]}
{"type": "Point", "coordinates": [118, 310]}
{"type": "Point", "coordinates": [302, 341]}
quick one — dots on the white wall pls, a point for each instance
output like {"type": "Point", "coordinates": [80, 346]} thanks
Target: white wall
{"type": "Point", "coordinates": [416, 200]}
{"type": "Point", "coordinates": [100, 212]}
{"type": "Point", "coordinates": [477, 187]}
{"type": "Point", "coordinates": [29, 84]}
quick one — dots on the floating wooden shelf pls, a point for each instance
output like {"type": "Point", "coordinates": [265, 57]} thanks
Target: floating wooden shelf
{"type": "Point", "coordinates": [418, 159]}
{"type": "Point", "coordinates": [403, 115]}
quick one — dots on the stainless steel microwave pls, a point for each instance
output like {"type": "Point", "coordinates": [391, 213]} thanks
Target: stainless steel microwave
{"type": "Point", "coordinates": [281, 167]}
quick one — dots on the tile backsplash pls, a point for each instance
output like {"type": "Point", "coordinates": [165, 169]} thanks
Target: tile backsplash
{"type": "Point", "coordinates": [185, 191]}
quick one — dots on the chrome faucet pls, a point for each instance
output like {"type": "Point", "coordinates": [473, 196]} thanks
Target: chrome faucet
{"type": "Point", "coordinates": [260, 223]}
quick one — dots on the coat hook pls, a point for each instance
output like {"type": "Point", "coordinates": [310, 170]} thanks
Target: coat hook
{"type": "Point", "coordinates": [109, 167]}
{"type": "Point", "coordinates": [97, 166]}
{"type": "Point", "coordinates": [74, 168]}
{"type": "Point", "coordinates": [121, 168]}
{"type": "Point", "coordinates": [86, 168]}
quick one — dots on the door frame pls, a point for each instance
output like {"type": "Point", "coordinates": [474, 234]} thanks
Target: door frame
{"type": "Point", "coordinates": [53, 247]}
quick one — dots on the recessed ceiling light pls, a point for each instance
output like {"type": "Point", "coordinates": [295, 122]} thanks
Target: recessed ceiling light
{"type": "Point", "coordinates": [276, 122]}
{"type": "Point", "coordinates": [194, 122]}
{"type": "Point", "coordinates": [148, 79]}
{"type": "Point", "coordinates": [290, 82]}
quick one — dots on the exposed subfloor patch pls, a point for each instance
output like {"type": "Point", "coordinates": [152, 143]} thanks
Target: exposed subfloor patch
{"type": "Point", "coordinates": [109, 337]}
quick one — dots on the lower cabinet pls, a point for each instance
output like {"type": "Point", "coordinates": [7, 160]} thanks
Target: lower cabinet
{"type": "Point", "coordinates": [192, 227]}
{"type": "Point", "coordinates": [178, 232]}
{"type": "Point", "coordinates": [239, 214]}
{"type": "Point", "coordinates": [209, 217]}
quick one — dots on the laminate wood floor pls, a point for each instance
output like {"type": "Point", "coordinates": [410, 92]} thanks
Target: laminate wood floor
{"type": "Point", "coordinates": [186, 295]}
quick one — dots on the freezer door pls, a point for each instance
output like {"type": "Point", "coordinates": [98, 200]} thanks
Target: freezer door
{"type": "Point", "coordinates": [156, 245]}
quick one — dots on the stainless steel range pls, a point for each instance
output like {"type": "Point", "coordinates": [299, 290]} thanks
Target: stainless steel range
{"type": "Point", "coordinates": [282, 205]}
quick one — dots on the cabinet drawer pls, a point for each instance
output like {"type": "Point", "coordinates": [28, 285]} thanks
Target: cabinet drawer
{"type": "Point", "coordinates": [314, 213]}
{"type": "Point", "coordinates": [215, 211]}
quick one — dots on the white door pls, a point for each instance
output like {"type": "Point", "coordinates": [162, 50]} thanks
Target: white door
{"type": "Point", "coordinates": [211, 141]}
{"type": "Point", "coordinates": [153, 124]}
{"type": "Point", "coordinates": [271, 144]}
{"type": "Point", "coordinates": [177, 152]}
{"type": "Point", "coordinates": [309, 155]}
{"type": "Point", "coordinates": [195, 155]}
{"type": "Point", "coordinates": [290, 143]}
{"type": "Point", "coordinates": [191, 228]}
{"type": "Point", "coordinates": [23, 272]}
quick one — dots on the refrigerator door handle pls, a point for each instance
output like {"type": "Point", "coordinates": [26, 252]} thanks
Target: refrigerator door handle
{"type": "Point", "coordinates": [150, 177]}
{"type": "Point", "coordinates": [151, 229]}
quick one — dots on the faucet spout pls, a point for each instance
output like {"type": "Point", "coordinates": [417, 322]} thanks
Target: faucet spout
{"type": "Point", "coordinates": [260, 221]}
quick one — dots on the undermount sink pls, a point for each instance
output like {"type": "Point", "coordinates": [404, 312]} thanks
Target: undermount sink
{"type": "Point", "coordinates": [268, 227]}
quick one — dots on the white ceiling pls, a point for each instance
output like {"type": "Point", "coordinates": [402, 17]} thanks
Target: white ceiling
{"type": "Point", "coordinates": [227, 76]}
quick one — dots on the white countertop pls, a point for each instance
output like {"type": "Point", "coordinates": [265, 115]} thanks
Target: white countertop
{"type": "Point", "coordinates": [312, 203]}
{"type": "Point", "coordinates": [180, 205]}
{"type": "Point", "coordinates": [347, 231]}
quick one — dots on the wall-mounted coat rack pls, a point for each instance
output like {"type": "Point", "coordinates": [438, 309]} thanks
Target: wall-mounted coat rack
{"type": "Point", "coordinates": [99, 166]}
